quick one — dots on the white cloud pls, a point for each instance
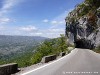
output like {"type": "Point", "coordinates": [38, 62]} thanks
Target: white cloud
{"type": "Point", "coordinates": [52, 33]}
{"type": "Point", "coordinates": [57, 22]}
{"type": "Point", "coordinates": [62, 22]}
{"type": "Point", "coordinates": [4, 20]}
{"type": "Point", "coordinates": [7, 5]}
{"type": "Point", "coordinates": [2, 27]}
{"type": "Point", "coordinates": [60, 19]}
{"type": "Point", "coordinates": [45, 20]}
{"type": "Point", "coordinates": [28, 28]}
{"type": "Point", "coordinates": [58, 25]}
{"type": "Point", "coordinates": [54, 22]}
{"type": "Point", "coordinates": [57, 30]}
{"type": "Point", "coordinates": [31, 30]}
{"type": "Point", "coordinates": [36, 34]}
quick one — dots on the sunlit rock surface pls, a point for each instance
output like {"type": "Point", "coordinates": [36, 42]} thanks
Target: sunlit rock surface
{"type": "Point", "coordinates": [83, 31]}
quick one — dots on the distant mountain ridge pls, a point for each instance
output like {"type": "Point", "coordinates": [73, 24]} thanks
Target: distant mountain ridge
{"type": "Point", "coordinates": [11, 45]}
{"type": "Point", "coordinates": [23, 38]}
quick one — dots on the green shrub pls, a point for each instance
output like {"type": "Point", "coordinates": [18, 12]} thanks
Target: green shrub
{"type": "Point", "coordinates": [49, 47]}
{"type": "Point", "coordinates": [97, 49]}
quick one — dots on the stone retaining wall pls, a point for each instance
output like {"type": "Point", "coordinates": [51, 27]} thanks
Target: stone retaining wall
{"type": "Point", "coordinates": [8, 69]}
{"type": "Point", "coordinates": [62, 54]}
{"type": "Point", "coordinates": [46, 59]}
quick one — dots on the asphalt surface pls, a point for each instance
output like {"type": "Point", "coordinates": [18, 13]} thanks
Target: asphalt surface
{"type": "Point", "coordinates": [78, 62]}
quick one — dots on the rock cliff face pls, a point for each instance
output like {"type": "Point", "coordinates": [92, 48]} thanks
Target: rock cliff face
{"type": "Point", "coordinates": [83, 25]}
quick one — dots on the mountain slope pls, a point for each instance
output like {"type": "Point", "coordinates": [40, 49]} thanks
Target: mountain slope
{"type": "Point", "coordinates": [12, 45]}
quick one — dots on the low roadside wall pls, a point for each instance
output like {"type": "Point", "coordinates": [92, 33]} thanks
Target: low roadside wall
{"type": "Point", "coordinates": [8, 69]}
{"type": "Point", "coordinates": [46, 59]}
{"type": "Point", "coordinates": [62, 54]}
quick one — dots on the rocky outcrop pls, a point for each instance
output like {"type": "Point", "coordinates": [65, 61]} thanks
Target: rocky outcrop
{"type": "Point", "coordinates": [83, 25]}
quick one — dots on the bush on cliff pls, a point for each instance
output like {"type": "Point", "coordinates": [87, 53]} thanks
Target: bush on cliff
{"type": "Point", "coordinates": [97, 49]}
{"type": "Point", "coordinates": [49, 47]}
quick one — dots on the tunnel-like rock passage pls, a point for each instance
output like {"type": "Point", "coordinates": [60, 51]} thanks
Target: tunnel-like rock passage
{"type": "Point", "coordinates": [85, 44]}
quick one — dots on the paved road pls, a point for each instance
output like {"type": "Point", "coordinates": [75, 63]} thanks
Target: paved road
{"type": "Point", "coordinates": [78, 62]}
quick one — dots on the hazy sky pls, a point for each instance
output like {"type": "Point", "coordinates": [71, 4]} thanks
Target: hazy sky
{"type": "Point", "coordinates": [34, 17]}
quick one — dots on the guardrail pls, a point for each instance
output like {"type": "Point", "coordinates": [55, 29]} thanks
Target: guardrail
{"type": "Point", "coordinates": [46, 59]}
{"type": "Point", "coordinates": [62, 54]}
{"type": "Point", "coordinates": [8, 69]}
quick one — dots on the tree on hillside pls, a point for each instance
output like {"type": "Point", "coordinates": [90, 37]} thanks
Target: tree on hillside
{"type": "Point", "coordinates": [49, 47]}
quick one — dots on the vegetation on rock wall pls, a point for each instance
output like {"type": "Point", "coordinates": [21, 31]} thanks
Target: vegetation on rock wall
{"type": "Point", "coordinates": [93, 3]}
{"type": "Point", "coordinates": [85, 9]}
{"type": "Point", "coordinates": [82, 22]}
{"type": "Point", "coordinates": [97, 49]}
{"type": "Point", "coordinates": [92, 18]}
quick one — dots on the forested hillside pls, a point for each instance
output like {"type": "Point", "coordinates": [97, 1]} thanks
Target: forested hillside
{"type": "Point", "coordinates": [18, 48]}
{"type": "Point", "coordinates": [35, 54]}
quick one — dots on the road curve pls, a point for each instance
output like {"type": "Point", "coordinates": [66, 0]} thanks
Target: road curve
{"type": "Point", "coordinates": [78, 62]}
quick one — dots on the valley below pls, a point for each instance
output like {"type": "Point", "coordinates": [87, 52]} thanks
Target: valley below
{"type": "Point", "coordinates": [18, 48]}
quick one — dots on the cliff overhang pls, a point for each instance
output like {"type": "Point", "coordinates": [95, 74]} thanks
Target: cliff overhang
{"type": "Point", "coordinates": [83, 25]}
